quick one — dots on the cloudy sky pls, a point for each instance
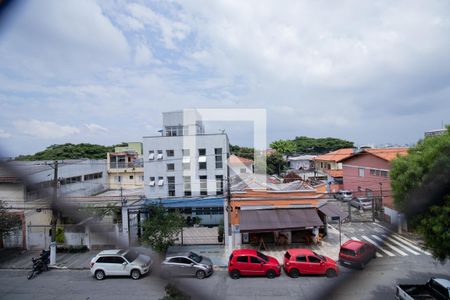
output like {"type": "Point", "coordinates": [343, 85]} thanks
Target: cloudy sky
{"type": "Point", "coordinates": [102, 72]}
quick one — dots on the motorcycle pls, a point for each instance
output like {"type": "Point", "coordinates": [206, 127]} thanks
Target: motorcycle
{"type": "Point", "coordinates": [40, 264]}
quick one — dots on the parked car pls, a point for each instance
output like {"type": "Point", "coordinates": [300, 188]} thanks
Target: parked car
{"type": "Point", "coordinates": [305, 261]}
{"type": "Point", "coordinates": [120, 262]}
{"type": "Point", "coordinates": [252, 262]}
{"type": "Point", "coordinates": [356, 253]}
{"type": "Point", "coordinates": [187, 264]}
{"type": "Point", "coordinates": [361, 203]}
{"type": "Point", "coordinates": [435, 288]}
{"type": "Point", "coordinates": [343, 195]}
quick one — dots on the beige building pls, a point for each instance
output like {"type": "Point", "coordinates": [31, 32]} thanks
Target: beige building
{"type": "Point", "coordinates": [125, 167]}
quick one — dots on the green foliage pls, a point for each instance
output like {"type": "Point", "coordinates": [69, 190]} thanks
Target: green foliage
{"type": "Point", "coordinates": [421, 188]}
{"type": "Point", "coordinates": [70, 151]}
{"type": "Point", "coordinates": [308, 145]}
{"type": "Point", "coordinates": [8, 222]}
{"type": "Point", "coordinates": [100, 212]}
{"type": "Point", "coordinates": [172, 293]}
{"type": "Point", "coordinates": [59, 238]}
{"type": "Point", "coordinates": [275, 164]}
{"type": "Point", "coordinates": [245, 152]}
{"type": "Point", "coordinates": [434, 227]}
{"type": "Point", "coordinates": [161, 228]}
{"type": "Point", "coordinates": [284, 146]}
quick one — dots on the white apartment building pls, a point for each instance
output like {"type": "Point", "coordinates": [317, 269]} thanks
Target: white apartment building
{"type": "Point", "coordinates": [184, 161]}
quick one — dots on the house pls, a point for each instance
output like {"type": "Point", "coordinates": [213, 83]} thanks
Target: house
{"type": "Point", "coordinates": [262, 208]}
{"type": "Point", "coordinates": [329, 164]}
{"type": "Point", "coordinates": [25, 187]}
{"type": "Point", "coordinates": [301, 162]}
{"type": "Point", "coordinates": [186, 168]}
{"type": "Point", "coordinates": [366, 173]}
{"type": "Point", "coordinates": [240, 165]}
{"type": "Point", "coordinates": [125, 167]}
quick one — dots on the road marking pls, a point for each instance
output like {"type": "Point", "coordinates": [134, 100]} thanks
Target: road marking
{"type": "Point", "coordinates": [401, 245]}
{"type": "Point", "coordinates": [356, 239]}
{"type": "Point", "coordinates": [401, 239]}
{"type": "Point", "coordinates": [378, 246]}
{"type": "Point", "coordinates": [390, 245]}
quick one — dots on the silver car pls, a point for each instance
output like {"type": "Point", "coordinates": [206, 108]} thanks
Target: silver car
{"type": "Point", "coordinates": [361, 203]}
{"type": "Point", "coordinates": [187, 264]}
{"type": "Point", "coordinates": [343, 195]}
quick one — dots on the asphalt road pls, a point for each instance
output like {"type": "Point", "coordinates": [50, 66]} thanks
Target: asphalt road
{"type": "Point", "coordinates": [377, 281]}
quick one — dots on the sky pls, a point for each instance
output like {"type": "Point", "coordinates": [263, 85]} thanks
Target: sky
{"type": "Point", "coordinates": [371, 72]}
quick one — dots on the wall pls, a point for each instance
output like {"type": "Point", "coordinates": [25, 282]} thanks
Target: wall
{"type": "Point", "coordinates": [126, 182]}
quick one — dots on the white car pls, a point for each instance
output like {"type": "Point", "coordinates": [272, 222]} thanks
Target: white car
{"type": "Point", "coordinates": [343, 195]}
{"type": "Point", "coordinates": [120, 263]}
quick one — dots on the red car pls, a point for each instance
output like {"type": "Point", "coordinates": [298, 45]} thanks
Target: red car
{"type": "Point", "coordinates": [252, 262]}
{"type": "Point", "coordinates": [305, 261]}
{"type": "Point", "coordinates": [356, 253]}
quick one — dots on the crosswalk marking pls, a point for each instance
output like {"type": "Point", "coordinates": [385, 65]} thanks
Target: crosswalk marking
{"type": "Point", "coordinates": [401, 245]}
{"type": "Point", "coordinates": [407, 242]}
{"type": "Point", "coordinates": [378, 246]}
{"type": "Point", "coordinates": [378, 254]}
{"type": "Point", "coordinates": [390, 245]}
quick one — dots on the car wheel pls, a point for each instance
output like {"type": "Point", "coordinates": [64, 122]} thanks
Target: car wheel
{"type": "Point", "coordinates": [271, 274]}
{"type": "Point", "coordinates": [331, 273]}
{"type": "Point", "coordinates": [135, 274]}
{"type": "Point", "coordinates": [99, 275]}
{"type": "Point", "coordinates": [294, 273]}
{"type": "Point", "coordinates": [30, 275]}
{"type": "Point", "coordinates": [235, 274]}
{"type": "Point", "coordinates": [200, 274]}
{"type": "Point", "coordinates": [374, 254]}
{"type": "Point", "coordinates": [362, 265]}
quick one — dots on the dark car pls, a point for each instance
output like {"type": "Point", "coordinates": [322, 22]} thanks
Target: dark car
{"type": "Point", "coordinates": [253, 263]}
{"type": "Point", "coordinates": [356, 253]}
{"type": "Point", "coordinates": [187, 264]}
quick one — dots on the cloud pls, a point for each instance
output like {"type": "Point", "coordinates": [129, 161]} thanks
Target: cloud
{"type": "Point", "coordinates": [45, 129]}
{"type": "Point", "coordinates": [95, 128]}
{"type": "Point", "coordinates": [4, 134]}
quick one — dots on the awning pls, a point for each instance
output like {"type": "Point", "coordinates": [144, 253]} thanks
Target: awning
{"type": "Point", "coordinates": [331, 210]}
{"type": "Point", "coordinates": [278, 219]}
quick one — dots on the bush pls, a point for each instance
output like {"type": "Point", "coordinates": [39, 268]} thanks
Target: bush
{"type": "Point", "coordinates": [60, 239]}
{"type": "Point", "coordinates": [73, 249]}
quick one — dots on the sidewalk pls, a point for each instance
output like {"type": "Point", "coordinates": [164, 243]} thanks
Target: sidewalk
{"type": "Point", "coordinates": [21, 259]}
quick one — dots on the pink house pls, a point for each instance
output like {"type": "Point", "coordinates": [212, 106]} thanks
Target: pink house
{"type": "Point", "coordinates": [366, 173]}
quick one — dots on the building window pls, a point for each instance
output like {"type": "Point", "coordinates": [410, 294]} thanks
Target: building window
{"type": "Point", "coordinates": [131, 177]}
{"type": "Point", "coordinates": [201, 152]}
{"type": "Point", "coordinates": [321, 165]}
{"type": "Point", "coordinates": [171, 185]}
{"type": "Point", "coordinates": [160, 154]}
{"type": "Point", "coordinates": [219, 184]}
{"type": "Point", "coordinates": [170, 153]}
{"type": "Point", "coordinates": [186, 152]}
{"type": "Point", "coordinates": [187, 185]}
{"type": "Point", "coordinates": [116, 179]}
{"type": "Point", "coordinates": [160, 181]}
{"type": "Point", "coordinates": [384, 173]}
{"type": "Point", "coordinates": [203, 185]}
{"type": "Point", "coordinates": [152, 181]}
{"type": "Point", "coordinates": [218, 155]}
{"type": "Point", "coordinates": [202, 165]}
{"type": "Point", "coordinates": [186, 166]}
{"type": "Point", "coordinates": [151, 155]}
{"type": "Point", "coordinates": [141, 178]}
{"type": "Point", "coordinates": [174, 130]}
{"type": "Point", "coordinates": [170, 167]}
{"type": "Point", "coordinates": [93, 176]}
{"type": "Point", "coordinates": [361, 172]}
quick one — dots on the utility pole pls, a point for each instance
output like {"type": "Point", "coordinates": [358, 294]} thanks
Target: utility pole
{"type": "Point", "coordinates": [54, 214]}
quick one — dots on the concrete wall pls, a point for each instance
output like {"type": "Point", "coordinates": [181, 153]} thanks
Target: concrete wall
{"type": "Point", "coordinates": [156, 168]}
{"type": "Point", "coordinates": [126, 182]}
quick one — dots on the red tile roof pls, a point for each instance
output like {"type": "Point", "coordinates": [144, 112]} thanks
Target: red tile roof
{"type": "Point", "coordinates": [336, 155]}
{"type": "Point", "coordinates": [388, 153]}
{"type": "Point", "coordinates": [235, 160]}
{"type": "Point", "coordinates": [334, 173]}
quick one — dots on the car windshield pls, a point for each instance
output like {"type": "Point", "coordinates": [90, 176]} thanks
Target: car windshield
{"type": "Point", "coordinates": [259, 254]}
{"type": "Point", "coordinates": [348, 193]}
{"type": "Point", "coordinates": [195, 257]}
{"type": "Point", "coordinates": [131, 255]}
{"type": "Point", "coordinates": [319, 256]}
{"type": "Point", "coordinates": [366, 200]}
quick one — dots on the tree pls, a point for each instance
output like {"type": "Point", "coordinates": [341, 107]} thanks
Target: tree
{"type": "Point", "coordinates": [284, 146]}
{"type": "Point", "coordinates": [161, 228]}
{"type": "Point", "coordinates": [275, 164]}
{"type": "Point", "coordinates": [245, 152]}
{"type": "Point", "coordinates": [421, 189]}
{"type": "Point", "coordinates": [308, 145]}
{"type": "Point", "coordinates": [70, 151]}
{"type": "Point", "coordinates": [8, 222]}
